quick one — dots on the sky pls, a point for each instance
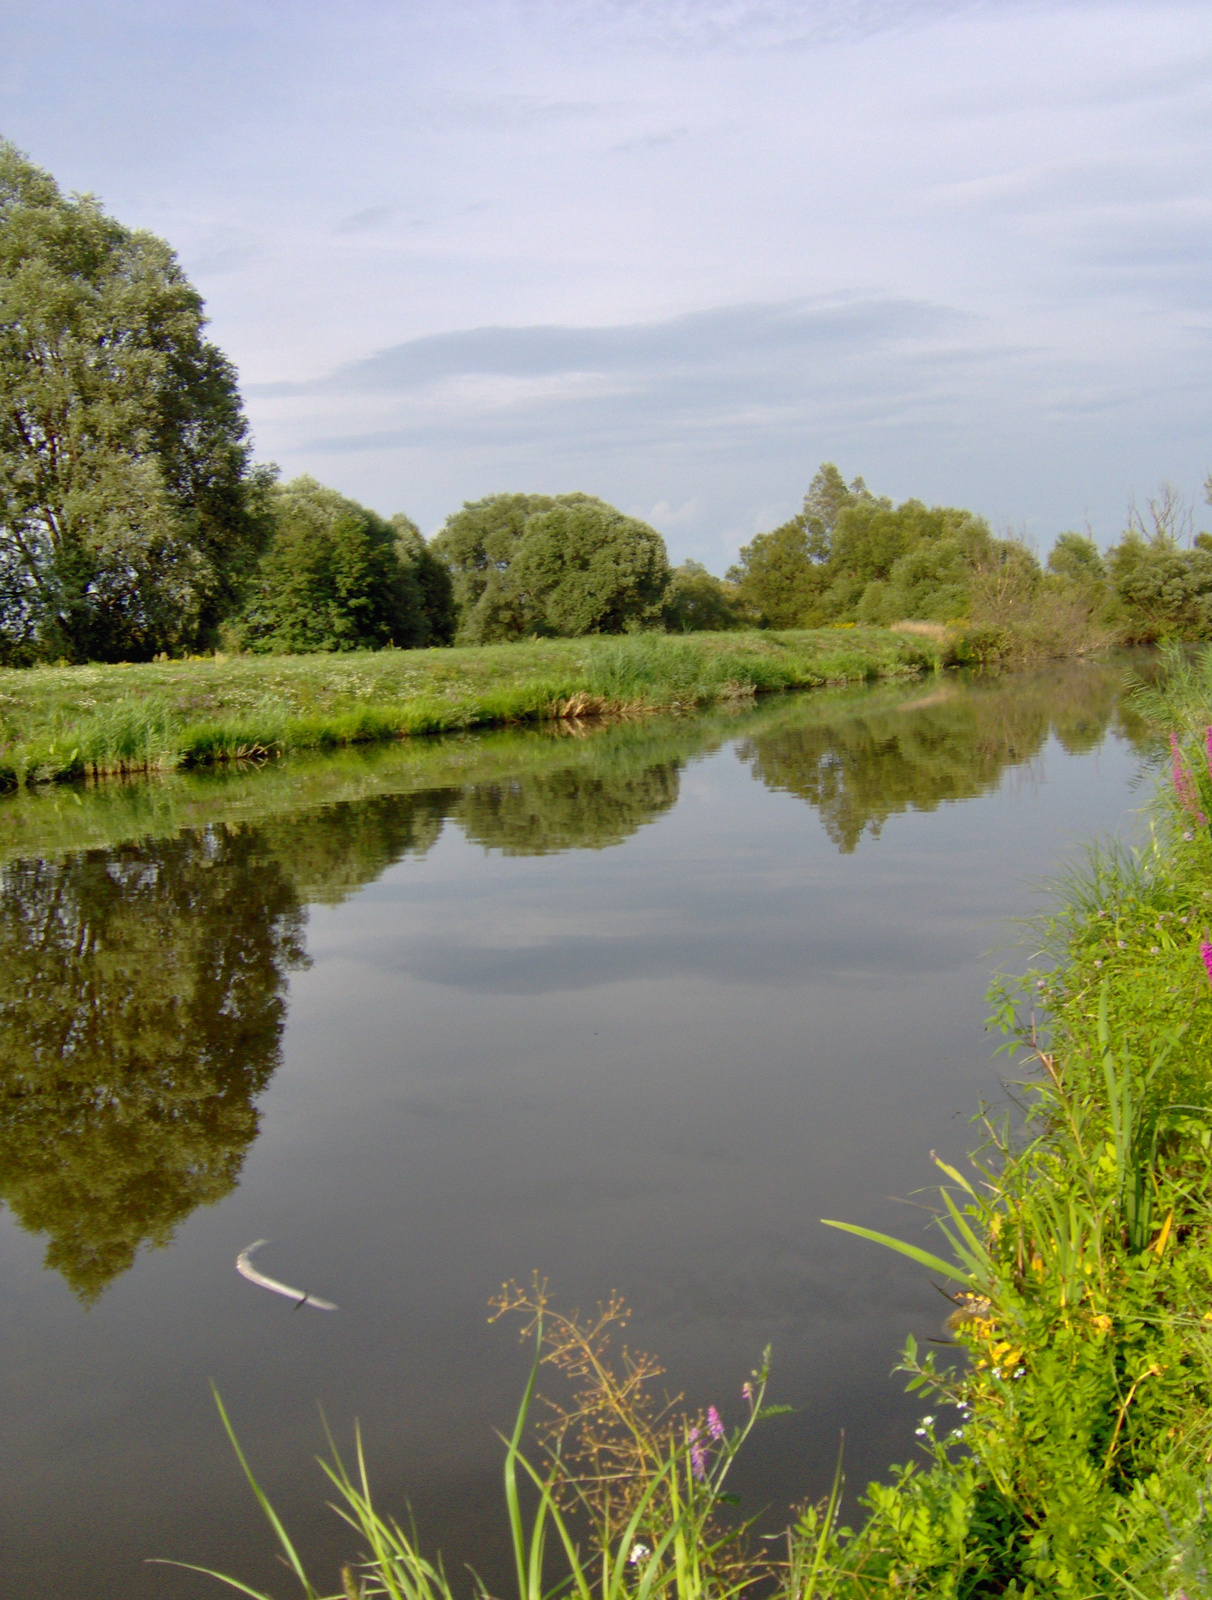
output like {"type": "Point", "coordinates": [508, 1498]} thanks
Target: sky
{"type": "Point", "coordinates": [675, 253]}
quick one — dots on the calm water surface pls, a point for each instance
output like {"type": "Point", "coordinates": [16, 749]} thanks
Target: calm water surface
{"type": "Point", "coordinates": [633, 1009]}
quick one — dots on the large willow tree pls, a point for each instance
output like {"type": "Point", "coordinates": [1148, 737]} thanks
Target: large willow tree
{"type": "Point", "coordinates": [129, 509]}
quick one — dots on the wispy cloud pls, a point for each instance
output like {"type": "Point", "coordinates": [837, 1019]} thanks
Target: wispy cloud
{"type": "Point", "coordinates": [734, 338]}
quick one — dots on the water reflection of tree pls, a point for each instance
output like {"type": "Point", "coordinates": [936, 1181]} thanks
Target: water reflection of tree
{"type": "Point", "coordinates": [142, 986]}
{"type": "Point", "coordinates": [141, 1006]}
{"type": "Point", "coordinates": [863, 766]}
{"type": "Point", "coordinates": [581, 808]}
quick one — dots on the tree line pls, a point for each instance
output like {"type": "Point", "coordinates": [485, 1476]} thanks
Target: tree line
{"type": "Point", "coordinates": [134, 522]}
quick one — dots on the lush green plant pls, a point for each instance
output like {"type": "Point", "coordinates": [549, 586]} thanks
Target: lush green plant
{"type": "Point", "coordinates": [780, 576]}
{"type": "Point", "coordinates": [129, 511]}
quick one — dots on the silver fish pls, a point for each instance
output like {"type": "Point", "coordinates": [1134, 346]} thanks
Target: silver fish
{"type": "Point", "coordinates": [300, 1296]}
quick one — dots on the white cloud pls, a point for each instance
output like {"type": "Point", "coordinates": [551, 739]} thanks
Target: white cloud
{"type": "Point", "coordinates": [672, 251]}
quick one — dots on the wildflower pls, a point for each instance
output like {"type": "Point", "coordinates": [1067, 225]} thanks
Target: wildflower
{"type": "Point", "coordinates": [1122, 943]}
{"type": "Point", "coordinates": [1188, 835]}
{"type": "Point", "coordinates": [638, 1553]}
{"type": "Point", "coordinates": [1183, 787]}
{"type": "Point", "coordinates": [1205, 951]}
{"type": "Point", "coordinates": [1154, 950]}
{"type": "Point", "coordinates": [1098, 963]}
{"type": "Point", "coordinates": [698, 1460]}
{"type": "Point", "coordinates": [714, 1426]}
{"type": "Point", "coordinates": [747, 1392]}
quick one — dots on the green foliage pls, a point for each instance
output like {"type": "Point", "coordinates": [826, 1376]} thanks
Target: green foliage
{"type": "Point", "coordinates": [540, 565]}
{"type": "Point", "coordinates": [645, 1481]}
{"type": "Point", "coordinates": [850, 557]}
{"type": "Point", "coordinates": [583, 567]}
{"type": "Point", "coordinates": [477, 545]}
{"type": "Point", "coordinates": [130, 512]}
{"type": "Point", "coordinates": [780, 576]}
{"type": "Point", "coordinates": [439, 612]}
{"type": "Point", "coordinates": [331, 578]}
{"type": "Point", "coordinates": [697, 602]}
{"type": "Point", "coordinates": [1164, 591]}
{"type": "Point", "coordinates": [1077, 557]}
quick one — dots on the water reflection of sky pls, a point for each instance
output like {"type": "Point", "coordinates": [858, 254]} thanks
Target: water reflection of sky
{"type": "Point", "coordinates": [650, 1066]}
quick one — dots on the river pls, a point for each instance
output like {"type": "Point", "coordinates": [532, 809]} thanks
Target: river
{"type": "Point", "coordinates": [631, 1007]}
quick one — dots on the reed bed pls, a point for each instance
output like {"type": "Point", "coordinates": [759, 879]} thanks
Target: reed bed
{"type": "Point", "coordinates": [61, 723]}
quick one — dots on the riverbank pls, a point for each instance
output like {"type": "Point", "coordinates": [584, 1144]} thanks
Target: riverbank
{"type": "Point", "coordinates": [1069, 1455]}
{"type": "Point", "coordinates": [62, 723]}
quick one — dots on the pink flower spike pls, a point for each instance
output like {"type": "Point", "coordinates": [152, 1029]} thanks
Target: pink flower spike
{"type": "Point", "coordinates": [714, 1426]}
{"type": "Point", "coordinates": [698, 1461]}
{"type": "Point", "coordinates": [1183, 787]}
{"type": "Point", "coordinates": [1208, 748]}
{"type": "Point", "coordinates": [1205, 951]}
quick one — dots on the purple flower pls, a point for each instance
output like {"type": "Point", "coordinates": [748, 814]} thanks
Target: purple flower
{"type": "Point", "coordinates": [1208, 748]}
{"type": "Point", "coordinates": [698, 1460]}
{"type": "Point", "coordinates": [1183, 787]}
{"type": "Point", "coordinates": [714, 1426]}
{"type": "Point", "coordinates": [1205, 951]}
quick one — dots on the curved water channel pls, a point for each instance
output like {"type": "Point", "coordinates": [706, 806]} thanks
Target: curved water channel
{"type": "Point", "coordinates": [633, 1007]}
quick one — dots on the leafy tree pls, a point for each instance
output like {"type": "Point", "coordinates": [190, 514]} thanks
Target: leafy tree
{"type": "Point", "coordinates": [583, 567]}
{"type": "Point", "coordinates": [541, 564]}
{"type": "Point", "coordinates": [872, 541]}
{"type": "Point", "coordinates": [331, 578]}
{"type": "Point", "coordinates": [781, 575]}
{"type": "Point", "coordinates": [697, 602]}
{"type": "Point", "coordinates": [1077, 557]}
{"type": "Point", "coordinates": [129, 510]}
{"type": "Point", "coordinates": [1162, 590]}
{"type": "Point", "coordinates": [433, 581]}
{"type": "Point", "coordinates": [477, 545]}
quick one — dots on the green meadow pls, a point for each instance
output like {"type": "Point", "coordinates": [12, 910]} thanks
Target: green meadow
{"type": "Point", "coordinates": [60, 723]}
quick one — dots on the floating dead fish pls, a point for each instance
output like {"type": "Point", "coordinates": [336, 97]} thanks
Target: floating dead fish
{"type": "Point", "coordinates": [300, 1296]}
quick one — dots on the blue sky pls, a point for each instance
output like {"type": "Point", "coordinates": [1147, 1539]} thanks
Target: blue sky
{"type": "Point", "coordinates": [672, 252]}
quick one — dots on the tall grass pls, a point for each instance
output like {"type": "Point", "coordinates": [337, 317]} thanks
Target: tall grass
{"type": "Point", "coordinates": [71, 722]}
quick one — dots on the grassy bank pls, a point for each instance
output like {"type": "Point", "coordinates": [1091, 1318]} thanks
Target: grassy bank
{"type": "Point", "coordinates": [1067, 1434]}
{"type": "Point", "coordinates": [70, 722]}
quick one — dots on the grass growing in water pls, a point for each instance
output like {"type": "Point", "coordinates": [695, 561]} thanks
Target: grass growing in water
{"type": "Point", "coordinates": [69, 722]}
{"type": "Point", "coordinates": [1068, 1452]}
